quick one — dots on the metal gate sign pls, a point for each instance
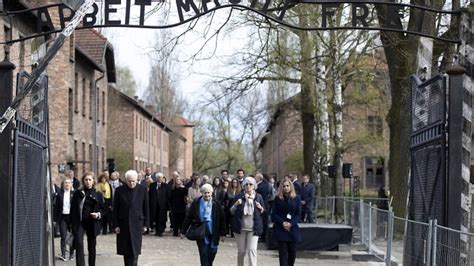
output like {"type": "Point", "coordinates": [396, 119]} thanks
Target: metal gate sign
{"type": "Point", "coordinates": [319, 15]}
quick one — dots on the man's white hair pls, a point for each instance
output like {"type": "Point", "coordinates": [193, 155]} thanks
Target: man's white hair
{"type": "Point", "coordinates": [131, 173]}
{"type": "Point", "coordinates": [207, 188]}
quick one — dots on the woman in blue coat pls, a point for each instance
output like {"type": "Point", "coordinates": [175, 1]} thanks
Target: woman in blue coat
{"type": "Point", "coordinates": [286, 214]}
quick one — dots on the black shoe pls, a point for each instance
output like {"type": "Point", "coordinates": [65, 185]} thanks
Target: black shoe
{"type": "Point", "coordinates": [159, 234]}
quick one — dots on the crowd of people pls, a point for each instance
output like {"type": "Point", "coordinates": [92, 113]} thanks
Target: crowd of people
{"type": "Point", "coordinates": [140, 203]}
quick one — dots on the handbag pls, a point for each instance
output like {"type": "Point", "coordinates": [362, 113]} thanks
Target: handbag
{"type": "Point", "coordinates": [197, 231]}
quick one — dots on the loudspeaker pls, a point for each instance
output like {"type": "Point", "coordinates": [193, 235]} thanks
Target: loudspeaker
{"type": "Point", "coordinates": [331, 171]}
{"type": "Point", "coordinates": [111, 165]}
{"type": "Point", "coordinates": [347, 170]}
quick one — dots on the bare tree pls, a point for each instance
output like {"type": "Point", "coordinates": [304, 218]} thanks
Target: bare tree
{"type": "Point", "coordinates": [125, 81]}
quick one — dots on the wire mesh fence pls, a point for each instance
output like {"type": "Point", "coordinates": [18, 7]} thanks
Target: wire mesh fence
{"type": "Point", "coordinates": [393, 239]}
{"type": "Point", "coordinates": [451, 247]}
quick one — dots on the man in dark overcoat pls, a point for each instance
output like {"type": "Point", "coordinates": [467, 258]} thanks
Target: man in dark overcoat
{"type": "Point", "coordinates": [308, 192]}
{"type": "Point", "coordinates": [130, 217]}
{"type": "Point", "coordinates": [159, 194]}
{"type": "Point", "coordinates": [263, 189]}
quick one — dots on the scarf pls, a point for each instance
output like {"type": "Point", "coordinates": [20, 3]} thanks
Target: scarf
{"type": "Point", "coordinates": [249, 207]}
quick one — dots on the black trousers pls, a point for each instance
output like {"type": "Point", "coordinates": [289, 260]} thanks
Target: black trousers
{"type": "Point", "coordinates": [207, 253]}
{"type": "Point", "coordinates": [79, 244]}
{"type": "Point", "coordinates": [286, 253]}
{"type": "Point", "coordinates": [130, 260]}
{"type": "Point", "coordinates": [178, 219]}
{"type": "Point", "coordinates": [265, 224]}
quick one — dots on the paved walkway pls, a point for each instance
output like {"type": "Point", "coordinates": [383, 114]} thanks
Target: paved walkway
{"type": "Point", "coordinates": [169, 251]}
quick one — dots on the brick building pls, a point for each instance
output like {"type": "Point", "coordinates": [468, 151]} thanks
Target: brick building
{"type": "Point", "coordinates": [365, 132]}
{"type": "Point", "coordinates": [83, 136]}
{"type": "Point", "coordinates": [78, 77]}
{"type": "Point", "coordinates": [137, 138]}
{"type": "Point", "coordinates": [182, 143]}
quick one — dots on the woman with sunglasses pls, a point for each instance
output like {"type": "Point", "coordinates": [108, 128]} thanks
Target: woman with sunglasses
{"type": "Point", "coordinates": [247, 222]}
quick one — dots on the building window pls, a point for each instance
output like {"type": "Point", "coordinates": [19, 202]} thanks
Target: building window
{"type": "Point", "coordinates": [136, 126]}
{"type": "Point", "coordinates": [104, 113]}
{"type": "Point", "coordinates": [71, 48]}
{"type": "Point", "coordinates": [76, 92]}
{"type": "Point", "coordinates": [91, 100]}
{"type": "Point", "coordinates": [141, 129]}
{"type": "Point", "coordinates": [158, 133]}
{"type": "Point", "coordinates": [70, 111]}
{"type": "Point", "coordinates": [76, 152]}
{"type": "Point", "coordinates": [147, 140]}
{"type": "Point", "coordinates": [97, 103]}
{"type": "Point", "coordinates": [22, 55]}
{"type": "Point", "coordinates": [97, 152]}
{"type": "Point", "coordinates": [103, 157]}
{"type": "Point", "coordinates": [91, 156]}
{"type": "Point", "coordinates": [374, 172]}
{"type": "Point", "coordinates": [84, 94]}
{"type": "Point", "coordinates": [375, 126]}
{"type": "Point", "coordinates": [8, 33]}
{"type": "Point", "coordinates": [83, 157]}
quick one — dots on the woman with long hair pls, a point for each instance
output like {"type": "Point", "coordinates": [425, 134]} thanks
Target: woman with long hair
{"type": "Point", "coordinates": [194, 191]}
{"type": "Point", "coordinates": [87, 209]}
{"type": "Point", "coordinates": [218, 193]}
{"type": "Point", "coordinates": [286, 214]}
{"type": "Point", "coordinates": [233, 190]}
{"type": "Point", "coordinates": [103, 186]}
{"type": "Point", "coordinates": [177, 204]}
{"type": "Point", "coordinates": [247, 221]}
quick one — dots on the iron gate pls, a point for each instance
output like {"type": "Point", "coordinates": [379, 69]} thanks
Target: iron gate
{"type": "Point", "coordinates": [30, 175]}
{"type": "Point", "coordinates": [427, 194]}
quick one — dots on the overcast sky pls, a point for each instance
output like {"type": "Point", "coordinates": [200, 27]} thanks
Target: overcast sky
{"type": "Point", "coordinates": [133, 46]}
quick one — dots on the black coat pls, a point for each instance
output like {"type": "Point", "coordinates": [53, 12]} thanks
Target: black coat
{"type": "Point", "coordinates": [130, 214]}
{"type": "Point", "coordinates": [159, 201]}
{"type": "Point", "coordinates": [98, 206]}
{"type": "Point", "coordinates": [220, 195]}
{"type": "Point", "coordinates": [178, 199]}
{"type": "Point", "coordinates": [59, 204]}
{"type": "Point", "coordinates": [286, 210]}
{"type": "Point", "coordinates": [218, 219]}
{"type": "Point", "coordinates": [263, 189]}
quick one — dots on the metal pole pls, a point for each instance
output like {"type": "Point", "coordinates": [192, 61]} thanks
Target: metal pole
{"type": "Point", "coordinates": [433, 248]}
{"type": "Point", "coordinates": [388, 254]}
{"type": "Point", "coordinates": [370, 226]}
{"type": "Point", "coordinates": [345, 213]}
{"type": "Point", "coordinates": [361, 220]}
{"type": "Point", "coordinates": [326, 209]}
{"type": "Point", "coordinates": [6, 215]}
{"type": "Point", "coordinates": [333, 211]}
{"type": "Point", "coordinates": [428, 245]}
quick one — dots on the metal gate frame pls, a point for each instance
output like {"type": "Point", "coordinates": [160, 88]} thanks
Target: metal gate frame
{"type": "Point", "coordinates": [30, 186]}
{"type": "Point", "coordinates": [429, 134]}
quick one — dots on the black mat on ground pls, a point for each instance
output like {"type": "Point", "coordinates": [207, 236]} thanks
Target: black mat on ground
{"type": "Point", "coordinates": [318, 236]}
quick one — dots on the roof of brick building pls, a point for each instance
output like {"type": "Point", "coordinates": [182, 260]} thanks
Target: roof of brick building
{"type": "Point", "coordinates": [92, 43]}
{"type": "Point", "coordinates": [183, 121]}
